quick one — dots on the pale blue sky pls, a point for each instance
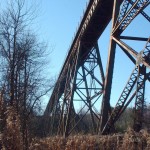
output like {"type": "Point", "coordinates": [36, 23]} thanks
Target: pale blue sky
{"type": "Point", "coordinates": [57, 22]}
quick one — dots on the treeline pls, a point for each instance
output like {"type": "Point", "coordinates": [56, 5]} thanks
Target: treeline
{"type": "Point", "coordinates": [125, 121]}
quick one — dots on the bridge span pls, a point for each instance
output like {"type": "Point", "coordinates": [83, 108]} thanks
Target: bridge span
{"type": "Point", "coordinates": [82, 77]}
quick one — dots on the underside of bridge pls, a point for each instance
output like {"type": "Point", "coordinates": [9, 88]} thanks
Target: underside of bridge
{"type": "Point", "coordinates": [84, 79]}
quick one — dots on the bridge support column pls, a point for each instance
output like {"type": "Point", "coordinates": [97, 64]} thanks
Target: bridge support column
{"type": "Point", "coordinates": [139, 102]}
{"type": "Point", "coordinates": [73, 68]}
{"type": "Point", "coordinates": [84, 84]}
{"type": "Point", "coordinates": [105, 109]}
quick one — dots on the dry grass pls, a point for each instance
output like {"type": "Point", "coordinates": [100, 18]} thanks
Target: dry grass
{"type": "Point", "coordinates": [129, 141]}
{"type": "Point", "coordinates": [11, 138]}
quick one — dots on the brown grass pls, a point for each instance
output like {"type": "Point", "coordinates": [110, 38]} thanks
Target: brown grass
{"type": "Point", "coordinates": [11, 138]}
{"type": "Point", "coordinates": [129, 141]}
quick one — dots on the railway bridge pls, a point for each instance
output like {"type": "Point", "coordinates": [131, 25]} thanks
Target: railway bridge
{"type": "Point", "coordinates": [84, 79]}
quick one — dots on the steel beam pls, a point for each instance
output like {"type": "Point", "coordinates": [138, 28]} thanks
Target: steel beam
{"type": "Point", "coordinates": [131, 51]}
{"type": "Point", "coordinates": [133, 38]}
{"type": "Point", "coordinates": [69, 90]}
{"type": "Point", "coordinates": [138, 75]}
{"type": "Point", "coordinates": [121, 101]}
{"type": "Point", "coordinates": [139, 103]}
{"type": "Point", "coordinates": [127, 18]}
{"type": "Point", "coordinates": [81, 80]}
{"type": "Point", "coordinates": [88, 98]}
{"type": "Point", "coordinates": [89, 92]}
{"type": "Point", "coordinates": [109, 71]}
{"type": "Point", "coordinates": [142, 12]}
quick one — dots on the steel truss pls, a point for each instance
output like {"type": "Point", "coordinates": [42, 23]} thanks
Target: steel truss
{"type": "Point", "coordinates": [138, 76]}
{"type": "Point", "coordinates": [83, 79]}
{"type": "Point", "coordinates": [65, 119]}
{"type": "Point", "coordinates": [122, 17]}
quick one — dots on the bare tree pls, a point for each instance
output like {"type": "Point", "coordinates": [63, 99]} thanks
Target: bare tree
{"type": "Point", "coordinates": [22, 59]}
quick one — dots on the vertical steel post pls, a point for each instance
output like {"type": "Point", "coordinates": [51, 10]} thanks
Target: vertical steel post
{"type": "Point", "coordinates": [62, 114]}
{"type": "Point", "coordinates": [109, 71]}
{"type": "Point", "coordinates": [139, 102]}
{"type": "Point", "coordinates": [88, 99]}
{"type": "Point", "coordinates": [70, 103]}
{"type": "Point", "coordinates": [100, 62]}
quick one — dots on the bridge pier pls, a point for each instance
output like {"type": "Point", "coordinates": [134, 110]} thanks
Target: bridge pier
{"type": "Point", "coordinates": [106, 110]}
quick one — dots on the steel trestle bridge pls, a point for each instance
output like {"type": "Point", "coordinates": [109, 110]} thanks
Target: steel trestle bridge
{"type": "Point", "coordinates": [82, 77]}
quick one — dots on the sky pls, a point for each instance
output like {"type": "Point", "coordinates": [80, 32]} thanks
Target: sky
{"type": "Point", "coordinates": [57, 22]}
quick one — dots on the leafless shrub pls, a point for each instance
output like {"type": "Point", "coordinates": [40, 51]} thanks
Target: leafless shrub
{"type": "Point", "coordinates": [11, 137]}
